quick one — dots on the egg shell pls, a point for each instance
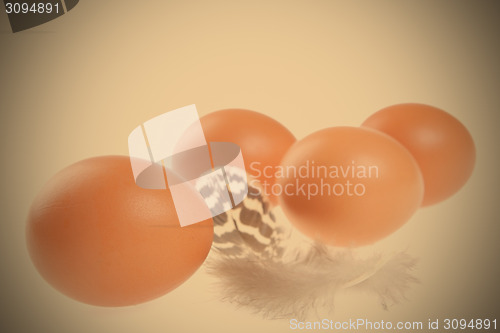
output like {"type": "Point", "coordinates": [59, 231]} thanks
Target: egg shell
{"type": "Point", "coordinates": [441, 144]}
{"type": "Point", "coordinates": [262, 139]}
{"type": "Point", "coordinates": [97, 237]}
{"type": "Point", "coordinates": [393, 189]}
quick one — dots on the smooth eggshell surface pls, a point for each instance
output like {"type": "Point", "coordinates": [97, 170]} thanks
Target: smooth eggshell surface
{"type": "Point", "coordinates": [442, 146]}
{"type": "Point", "coordinates": [97, 237]}
{"type": "Point", "coordinates": [341, 208]}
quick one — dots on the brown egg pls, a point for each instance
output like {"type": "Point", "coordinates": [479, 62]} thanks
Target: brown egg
{"type": "Point", "coordinates": [349, 186]}
{"type": "Point", "coordinates": [263, 141]}
{"type": "Point", "coordinates": [97, 237]}
{"type": "Point", "coordinates": [440, 143]}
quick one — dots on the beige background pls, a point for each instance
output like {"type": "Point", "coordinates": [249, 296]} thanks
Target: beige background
{"type": "Point", "coordinates": [77, 86]}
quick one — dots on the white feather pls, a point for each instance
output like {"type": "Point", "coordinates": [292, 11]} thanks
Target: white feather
{"type": "Point", "coordinates": [276, 289]}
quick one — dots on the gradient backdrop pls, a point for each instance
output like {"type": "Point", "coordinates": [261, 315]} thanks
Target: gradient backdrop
{"type": "Point", "coordinates": [76, 86]}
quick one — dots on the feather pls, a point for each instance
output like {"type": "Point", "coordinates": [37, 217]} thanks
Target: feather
{"type": "Point", "coordinates": [295, 289]}
{"type": "Point", "coordinates": [264, 265]}
{"type": "Point", "coordinates": [249, 229]}
{"type": "Point", "coordinates": [391, 280]}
